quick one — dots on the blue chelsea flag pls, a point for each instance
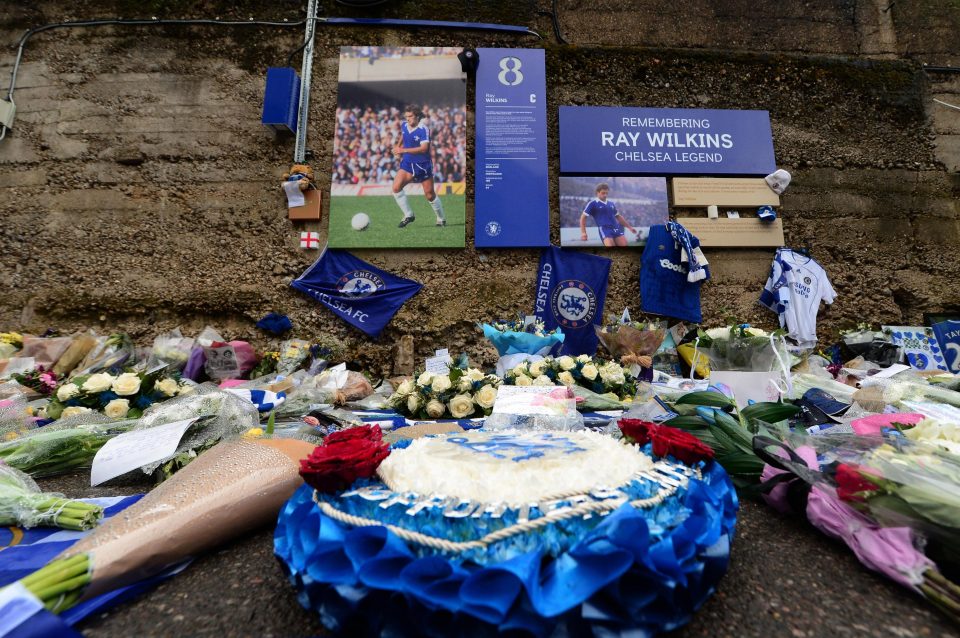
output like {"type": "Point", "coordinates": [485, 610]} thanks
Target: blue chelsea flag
{"type": "Point", "coordinates": [571, 288]}
{"type": "Point", "coordinates": [359, 293]}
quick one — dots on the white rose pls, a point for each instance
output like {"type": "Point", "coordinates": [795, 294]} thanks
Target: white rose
{"type": "Point", "coordinates": [486, 396]}
{"type": "Point", "coordinates": [98, 382]}
{"type": "Point", "coordinates": [523, 380]}
{"type": "Point", "coordinates": [461, 406]}
{"type": "Point", "coordinates": [435, 409]}
{"type": "Point", "coordinates": [67, 391]}
{"type": "Point", "coordinates": [413, 403]}
{"type": "Point", "coordinates": [566, 378]}
{"type": "Point", "coordinates": [520, 369]}
{"type": "Point", "coordinates": [543, 380]}
{"type": "Point", "coordinates": [755, 332]}
{"type": "Point", "coordinates": [405, 388]}
{"type": "Point", "coordinates": [567, 363]}
{"type": "Point", "coordinates": [117, 409]}
{"type": "Point", "coordinates": [536, 368]}
{"type": "Point", "coordinates": [425, 379]}
{"type": "Point", "coordinates": [589, 371]}
{"type": "Point", "coordinates": [612, 373]}
{"type": "Point", "coordinates": [465, 385]}
{"type": "Point", "coordinates": [126, 384]}
{"type": "Point", "coordinates": [475, 375]}
{"type": "Point", "coordinates": [440, 383]}
{"type": "Point", "coordinates": [73, 411]}
{"type": "Point", "coordinates": [583, 358]}
{"type": "Point", "coordinates": [167, 386]}
{"type": "Point", "coordinates": [719, 333]}
{"type": "Point", "coordinates": [186, 388]}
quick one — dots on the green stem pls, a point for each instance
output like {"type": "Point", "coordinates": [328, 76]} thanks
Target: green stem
{"type": "Point", "coordinates": [57, 570]}
{"type": "Point", "coordinates": [67, 587]}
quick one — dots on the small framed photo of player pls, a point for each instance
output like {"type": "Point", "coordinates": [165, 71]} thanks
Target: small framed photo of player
{"type": "Point", "coordinates": [612, 212]}
{"type": "Point", "coordinates": [399, 149]}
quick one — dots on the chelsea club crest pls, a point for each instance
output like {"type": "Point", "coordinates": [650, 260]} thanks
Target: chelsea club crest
{"type": "Point", "coordinates": [493, 229]}
{"type": "Point", "coordinates": [359, 283]}
{"type": "Point", "coordinates": [574, 303]}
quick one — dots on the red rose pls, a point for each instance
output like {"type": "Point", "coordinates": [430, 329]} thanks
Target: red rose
{"type": "Point", "coordinates": [343, 458]}
{"type": "Point", "coordinates": [362, 432]}
{"type": "Point", "coordinates": [852, 484]}
{"type": "Point", "coordinates": [637, 430]}
{"type": "Point", "coordinates": [681, 445]}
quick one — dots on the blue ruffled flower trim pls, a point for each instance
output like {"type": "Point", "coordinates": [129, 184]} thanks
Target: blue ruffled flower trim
{"type": "Point", "coordinates": [626, 573]}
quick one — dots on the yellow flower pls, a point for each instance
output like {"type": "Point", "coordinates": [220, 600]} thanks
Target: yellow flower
{"type": "Point", "coordinates": [253, 433]}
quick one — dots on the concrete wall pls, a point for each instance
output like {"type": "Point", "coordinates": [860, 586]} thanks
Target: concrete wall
{"type": "Point", "coordinates": [139, 192]}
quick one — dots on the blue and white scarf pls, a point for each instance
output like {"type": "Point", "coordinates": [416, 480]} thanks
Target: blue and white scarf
{"type": "Point", "coordinates": [696, 270]}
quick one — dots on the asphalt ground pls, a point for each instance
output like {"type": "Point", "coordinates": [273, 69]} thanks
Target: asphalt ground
{"type": "Point", "coordinates": [785, 579]}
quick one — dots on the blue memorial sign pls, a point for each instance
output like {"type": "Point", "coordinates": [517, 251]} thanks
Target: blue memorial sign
{"type": "Point", "coordinates": [605, 140]}
{"type": "Point", "coordinates": [512, 189]}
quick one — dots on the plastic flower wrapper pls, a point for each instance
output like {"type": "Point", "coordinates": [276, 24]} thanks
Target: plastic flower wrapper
{"type": "Point", "coordinates": [293, 352]}
{"type": "Point", "coordinates": [14, 418]}
{"type": "Point", "coordinates": [798, 478]}
{"type": "Point", "coordinates": [521, 336]}
{"type": "Point", "coordinates": [535, 409]}
{"type": "Point", "coordinates": [170, 350]}
{"type": "Point", "coordinates": [742, 348]}
{"type": "Point", "coordinates": [46, 351]}
{"type": "Point", "coordinates": [872, 345]}
{"type": "Point", "coordinates": [875, 394]}
{"type": "Point", "coordinates": [110, 353]}
{"type": "Point", "coordinates": [24, 505]}
{"type": "Point", "coordinates": [80, 347]}
{"type": "Point", "coordinates": [236, 487]}
{"type": "Point", "coordinates": [221, 415]}
{"type": "Point", "coordinates": [63, 447]}
{"type": "Point", "coordinates": [633, 343]}
{"type": "Point", "coordinates": [309, 392]}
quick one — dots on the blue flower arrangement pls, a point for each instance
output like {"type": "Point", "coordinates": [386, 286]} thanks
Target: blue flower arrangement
{"type": "Point", "coordinates": [643, 570]}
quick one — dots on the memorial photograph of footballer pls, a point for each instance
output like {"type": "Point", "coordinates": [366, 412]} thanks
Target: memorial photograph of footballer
{"type": "Point", "coordinates": [610, 212]}
{"type": "Point", "coordinates": [399, 150]}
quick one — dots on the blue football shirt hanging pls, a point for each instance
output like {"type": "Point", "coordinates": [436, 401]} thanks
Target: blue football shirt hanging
{"type": "Point", "coordinates": [359, 293]}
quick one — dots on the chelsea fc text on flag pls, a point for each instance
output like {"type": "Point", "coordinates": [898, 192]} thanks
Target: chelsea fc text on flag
{"type": "Point", "coordinates": [359, 293]}
{"type": "Point", "coordinates": [571, 288]}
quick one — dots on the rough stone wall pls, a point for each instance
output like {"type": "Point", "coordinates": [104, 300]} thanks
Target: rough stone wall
{"type": "Point", "coordinates": [138, 190]}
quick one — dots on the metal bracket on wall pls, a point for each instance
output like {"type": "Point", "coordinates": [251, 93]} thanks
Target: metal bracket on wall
{"type": "Point", "coordinates": [306, 69]}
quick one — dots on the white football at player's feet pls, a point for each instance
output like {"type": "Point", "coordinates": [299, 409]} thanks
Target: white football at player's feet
{"type": "Point", "coordinates": [360, 221]}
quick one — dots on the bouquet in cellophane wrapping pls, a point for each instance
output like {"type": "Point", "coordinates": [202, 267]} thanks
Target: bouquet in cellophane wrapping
{"type": "Point", "coordinates": [633, 343]}
{"type": "Point", "coordinates": [893, 501]}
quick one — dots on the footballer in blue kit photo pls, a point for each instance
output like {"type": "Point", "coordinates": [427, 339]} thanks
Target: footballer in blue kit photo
{"type": "Point", "coordinates": [398, 177]}
{"type": "Point", "coordinates": [590, 216]}
{"type": "Point", "coordinates": [604, 213]}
